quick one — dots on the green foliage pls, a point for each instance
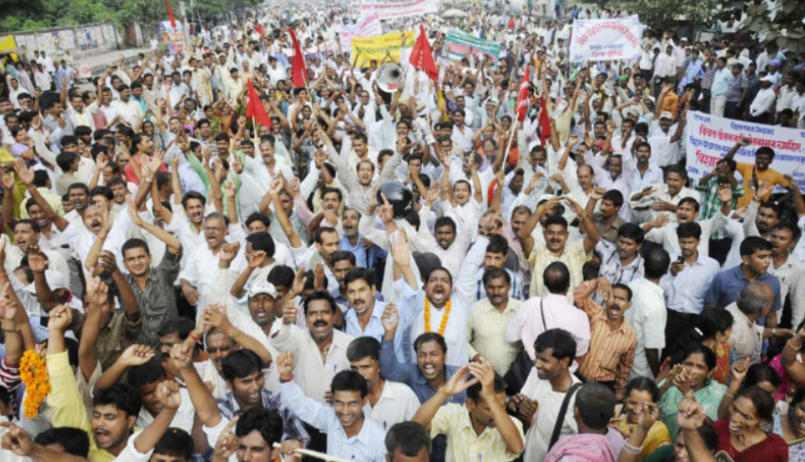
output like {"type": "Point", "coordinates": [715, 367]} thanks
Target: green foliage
{"type": "Point", "coordinates": [783, 28]}
{"type": "Point", "coordinates": [663, 15]}
{"type": "Point", "coordinates": [18, 15]}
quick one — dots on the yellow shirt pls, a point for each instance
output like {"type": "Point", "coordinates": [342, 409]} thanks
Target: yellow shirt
{"type": "Point", "coordinates": [768, 177]}
{"type": "Point", "coordinates": [463, 445]}
{"type": "Point", "coordinates": [487, 329]}
{"type": "Point", "coordinates": [574, 257]}
{"type": "Point", "coordinates": [67, 405]}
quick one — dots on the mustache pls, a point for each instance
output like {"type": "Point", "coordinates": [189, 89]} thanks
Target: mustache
{"type": "Point", "coordinates": [319, 324]}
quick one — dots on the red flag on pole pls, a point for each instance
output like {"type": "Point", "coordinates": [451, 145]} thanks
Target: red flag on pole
{"type": "Point", "coordinates": [255, 109]}
{"type": "Point", "coordinates": [170, 14]}
{"type": "Point", "coordinates": [298, 68]}
{"type": "Point", "coordinates": [544, 121]}
{"type": "Point", "coordinates": [259, 29]}
{"type": "Point", "coordinates": [422, 55]}
{"type": "Point", "coordinates": [522, 97]}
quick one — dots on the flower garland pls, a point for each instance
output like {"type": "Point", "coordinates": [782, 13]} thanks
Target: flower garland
{"type": "Point", "coordinates": [445, 316]}
{"type": "Point", "coordinates": [34, 373]}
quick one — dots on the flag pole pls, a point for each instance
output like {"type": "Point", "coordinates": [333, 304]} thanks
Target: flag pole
{"type": "Point", "coordinates": [509, 144]}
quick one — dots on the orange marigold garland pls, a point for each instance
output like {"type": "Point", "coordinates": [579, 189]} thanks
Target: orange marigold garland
{"type": "Point", "coordinates": [445, 316]}
{"type": "Point", "coordinates": [34, 373]}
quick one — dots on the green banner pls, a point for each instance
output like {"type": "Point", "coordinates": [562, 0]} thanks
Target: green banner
{"type": "Point", "coordinates": [461, 44]}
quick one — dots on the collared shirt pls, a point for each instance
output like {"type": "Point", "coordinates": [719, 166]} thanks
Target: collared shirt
{"type": "Point", "coordinates": [647, 316]}
{"type": "Point", "coordinates": [574, 257]}
{"type": "Point", "coordinates": [292, 427]}
{"type": "Point", "coordinates": [652, 177]}
{"type": "Point", "coordinates": [544, 421]}
{"type": "Point", "coordinates": [157, 302]}
{"type": "Point", "coordinates": [397, 403]}
{"type": "Point", "coordinates": [183, 418]}
{"type": "Point", "coordinates": [367, 446]}
{"type": "Point", "coordinates": [117, 335]}
{"type": "Point", "coordinates": [558, 313]}
{"type": "Point", "coordinates": [684, 293]}
{"type": "Point", "coordinates": [463, 444]}
{"type": "Point", "coordinates": [746, 338]}
{"type": "Point", "coordinates": [611, 350]}
{"type": "Point", "coordinates": [312, 373]}
{"type": "Point", "coordinates": [792, 285]}
{"type": "Point", "coordinates": [666, 235]}
{"type": "Point", "coordinates": [720, 82]}
{"type": "Point", "coordinates": [487, 331]}
{"type": "Point", "coordinates": [409, 374]}
{"type": "Point", "coordinates": [727, 285]}
{"type": "Point", "coordinates": [763, 102]}
{"type": "Point", "coordinates": [611, 267]}
{"type": "Point", "coordinates": [735, 87]}
{"type": "Point", "coordinates": [374, 328]}
{"type": "Point", "coordinates": [364, 258]}
{"type": "Point", "coordinates": [608, 234]}
{"type": "Point", "coordinates": [662, 194]}
{"type": "Point", "coordinates": [710, 203]}
{"type": "Point", "coordinates": [516, 291]}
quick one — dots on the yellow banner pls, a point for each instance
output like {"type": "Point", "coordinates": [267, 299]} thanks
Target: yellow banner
{"type": "Point", "coordinates": [378, 46]}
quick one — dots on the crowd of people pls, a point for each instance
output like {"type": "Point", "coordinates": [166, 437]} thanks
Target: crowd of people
{"type": "Point", "coordinates": [405, 275]}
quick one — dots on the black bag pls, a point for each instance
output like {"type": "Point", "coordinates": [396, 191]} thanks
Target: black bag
{"type": "Point", "coordinates": [557, 429]}
{"type": "Point", "coordinates": [518, 372]}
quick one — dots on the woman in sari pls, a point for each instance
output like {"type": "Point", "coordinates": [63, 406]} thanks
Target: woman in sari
{"type": "Point", "coordinates": [639, 392]}
{"type": "Point", "coordinates": [691, 377]}
{"type": "Point", "coordinates": [791, 427]}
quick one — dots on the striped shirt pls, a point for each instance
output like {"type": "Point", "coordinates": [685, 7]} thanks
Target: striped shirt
{"type": "Point", "coordinates": [611, 350]}
{"type": "Point", "coordinates": [292, 427]}
{"type": "Point", "coordinates": [516, 291]}
{"type": "Point", "coordinates": [487, 330]}
{"type": "Point", "coordinates": [157, 303]}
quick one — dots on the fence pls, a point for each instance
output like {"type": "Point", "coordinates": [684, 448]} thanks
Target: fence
{"type": "Point", "coordinates": [77, 41]}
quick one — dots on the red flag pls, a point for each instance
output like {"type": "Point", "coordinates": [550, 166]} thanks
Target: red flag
{"type": "Point", "coordinates": [298, 68]}
{"type": "Point", "coordinates": [522, 98]}
{"type": "Point", "coordinates": [544, 121]}
{"type": "Point", "coordinates": [259, 29]}
{"type": "Point", "coordinates": [170, 13]}
{"type": "Point", "coordinates": [422, 55]}
{"type": "Point", "coordinates": [255, 109]}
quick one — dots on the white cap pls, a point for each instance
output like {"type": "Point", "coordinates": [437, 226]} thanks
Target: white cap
{"type": "Point", "coordinates": [666, 115]}
{"type": "Point", "coordinates": [768, 78]}
{"type": "Point", "coordinates": [263, 287]}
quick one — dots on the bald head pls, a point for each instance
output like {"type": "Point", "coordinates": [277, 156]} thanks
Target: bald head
{"type": "Point", "coordinates": [756, 299]}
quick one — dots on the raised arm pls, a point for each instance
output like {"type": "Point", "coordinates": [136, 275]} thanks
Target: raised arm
{"type": "Point", "coordinates": [27, 177]}
{"type": "Point", "coordinates": [203, 401]}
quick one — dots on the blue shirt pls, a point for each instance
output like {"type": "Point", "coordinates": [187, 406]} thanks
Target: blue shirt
{"type": "Point", "coordinates": [367, 446]}
{"type": "Point", "coordinates": [374, 328]}
{"type": "Point", "coordinates": [364, 258]}
{"type": "Point", "coordinates": [727, 285]}
{"type": "Point", "coordinates": [409, 374]}
{"type": "Point", "coordinates": [720, 82]}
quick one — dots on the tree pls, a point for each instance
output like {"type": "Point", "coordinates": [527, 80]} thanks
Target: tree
{"type": "Point", "coordinates": [779, 28]}
{"type": "Point", "coordinates": [664, 15]}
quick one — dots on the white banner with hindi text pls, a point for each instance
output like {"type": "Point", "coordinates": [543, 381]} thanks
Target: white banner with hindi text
{"type": "Point", "coordinates": [367, 26]}
{"type": "Point", "coordinates": [390, 9]}
{"type": "Point", "coordinates": [605, 39]}
{"type": "Point", "coordinates": [709, 138]}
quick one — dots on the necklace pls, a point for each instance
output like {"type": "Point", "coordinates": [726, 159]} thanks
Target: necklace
{"type": "Point", "coordinates": [445, 316]}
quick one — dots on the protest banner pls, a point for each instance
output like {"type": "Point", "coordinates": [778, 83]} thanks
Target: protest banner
{"type": "Point", "coordinates": [367, 26]}
{"type": "Point", "coordinates": [322, 50]}
{"type": "Point", "coordinates": [390, 9]}
{"type": "Point", "coordinates": [605, 39]}
{"type": "Point", "coordinates": [709, 138]}
{"type": "Point", "coordinates": [376, 47]}
{"type": "Point", "coordinates": [460, 45]}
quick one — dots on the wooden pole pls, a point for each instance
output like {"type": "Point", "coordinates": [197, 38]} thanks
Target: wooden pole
{"type": "Point", "coordinates": [317, 455]}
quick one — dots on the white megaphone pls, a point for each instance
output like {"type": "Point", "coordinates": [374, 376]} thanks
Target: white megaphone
{"type": "Point", "coordinates": [389, 77]}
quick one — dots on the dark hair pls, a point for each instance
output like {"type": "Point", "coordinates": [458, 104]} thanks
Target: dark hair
{"type": "Point", "coordinates": [623, 287]}
{"type": "Point", "coordinates": [337, 191]}
{"type": "Point", "coordinates": [439, 268]}
{"type": "Point", "coordinates": [657, 262]}
{"type": "Point", "coordinates": [445, 221]}
{"type": "Point", "coordinates": [495, 273]}
{"type": "Point", "coordinates": [555, 220]}
{"type": "Point", "coordinates": [120, 395]}
{"type": "Point", "coordinates": [266, 422]}
{"type": "Point", "coordinates": [497, 244]}
{"type": "Point", "coordinates": [689, 230]}
{"type": "Point", "coordinates": [596, 405]}
{"type": "Point", "coordinates": [193, 195]}
{"type": "Point", "coordinates": [690, 200]}
{"type": "Point", "coordinates": [281, 276]}
{"type": "Point", "coordinates": [765, 150]}
{"type": "Point", "coordinates": [101, 191]}
{"type": "Point", "coordinates": [263, 242]}
{"type": "Point", "coordinates": [761, 399]}
{"type": "Point", "coordinates": [319, 295]}
{"type": "Point", "coordinates": [556, 277]}
{"type": "Point", "coordinates": [562, 344]}
{"type": "Point", "coordinates": [343, 255]}
{"type": "Point", "coordinates": [633, 232]}
{"type": "Point", "coordinates": [363, 347]}
{"type": "Point", "coordinates": [349, 381]}
{"type": "Point", "coordinates": [409, 438]}
{"type": "Point", "coordinates": [795, 232]}
{"type": "Point", "coordinates": [65, 160]}
{"type": "Point", "coordinates": [474, 391]}
{"type": "Point", "coordinates": [759, 373]}
{"type": "Point", "coordinates": [679, 170]}
{"type": "Point", "coordinates": [41, 178]}
{"type": "Point", "coordinates": [240, 364]}
{"type": "Point", "coordinates": [642, 384]}
{"type": "Point", "coordinates": [175, 442]}
{"type": "Point", "coordinates": [147, 373]}
{"type": "Point", "coordinates": [257, 216]}
{"type": "Point", "coordinates": [32, 223]}
{"type": "Point", "coordinates": [614, 196]}
{"type": "Point", "coordinates": [134, 243]}
{"type": "Point", "coordinates": [692, 349]}
{"type": "Point", "coordinates": [356, 274]}
{"type": "Point", "coordinates": [324, 229]}
{"type": "Point", "coordinates": [430, 337]}
{"type": "Point", "coordinates": [75, 441]}
{"type": "Point", "coordinates": [752, 244]}
{"type": "Point", "coordinates": [181, 326]}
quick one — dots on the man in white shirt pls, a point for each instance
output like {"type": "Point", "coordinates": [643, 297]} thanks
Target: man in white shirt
{"type": "Point", "coordinates": [388, 402]}
{"type": "Point", "coordinates": [129, 109]}
{"type": "Point", "coordinates": [652, 201]}
{"type": "Point", "coordinates": [763, 103]}
{"type": "Point", "coordinates": [648, 315]}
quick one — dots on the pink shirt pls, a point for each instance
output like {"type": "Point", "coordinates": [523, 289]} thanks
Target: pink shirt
{"type": "Point", "coordinates": [559, 314]}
